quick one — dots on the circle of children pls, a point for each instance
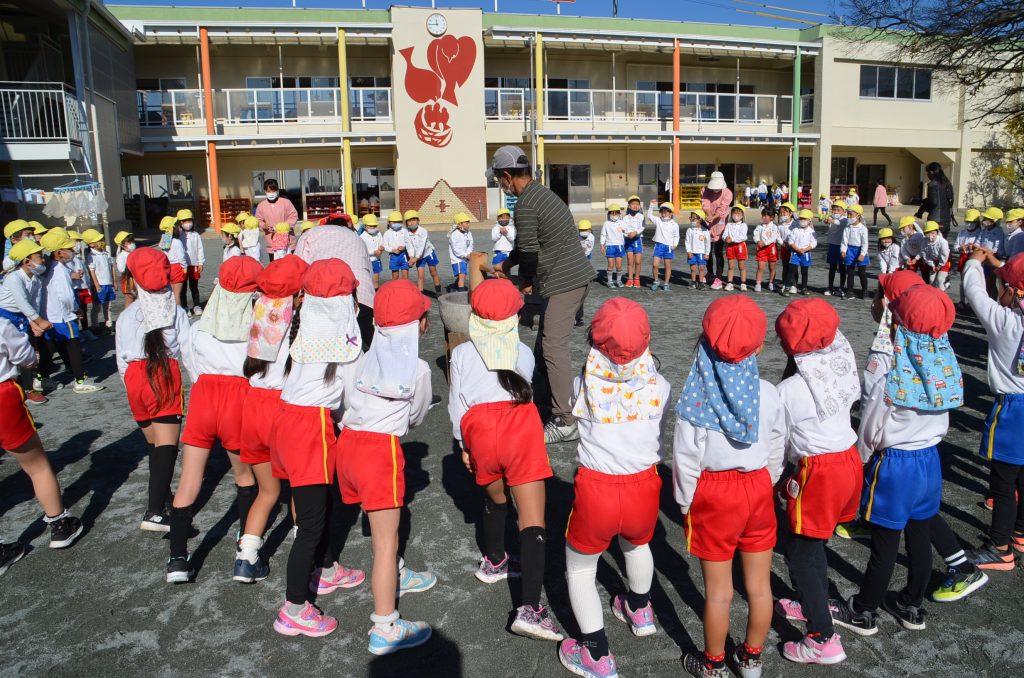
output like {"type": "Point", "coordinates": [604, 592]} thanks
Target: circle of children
{"type": "Point", "coordinates": [283, 345]}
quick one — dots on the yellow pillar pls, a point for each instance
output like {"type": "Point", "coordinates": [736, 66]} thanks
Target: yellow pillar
{"type": "Point", "coordinates": [538, 98]}
{"type": "Point", "coordinates": [346, 124]}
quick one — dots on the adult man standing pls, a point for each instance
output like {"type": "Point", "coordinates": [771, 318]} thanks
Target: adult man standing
{"type": "Point", "coordinates": [551, 262]}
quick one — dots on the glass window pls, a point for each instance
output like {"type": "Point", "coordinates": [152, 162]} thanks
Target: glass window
{"type": "Point", "coordinates": [869, 81]}
{"type": "Point", "coordinates": [889, 82]}
{"type": "Point", "coordinates": [579, 175]}
{"type": "Point", "coordinates": [259, 176]}
{"type": "Point", "coordinates": [322, 180]}
{"type": "Point", "coordinates": [886, 82]}
{"type": "Point", "coordinates": [842, 170]}
{"type": "Point", "coordinates": [905, 83]}
{"type": "Point", "coordinates": [922, 84]}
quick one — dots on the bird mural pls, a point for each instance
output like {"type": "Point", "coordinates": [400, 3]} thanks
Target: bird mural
{"type": "Point", "coordinates": [451, 60]}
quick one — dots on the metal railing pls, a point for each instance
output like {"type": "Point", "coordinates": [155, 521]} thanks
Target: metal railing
{"type": "Point", "coordinates": [278, 105]}
{"type": "Point", "coordinates": [370, 104]}
{"type": "Point", "coordinates": [508, 103]}
{"type": "Point", "coordinates": [39, 112]}
{"type": "Point", "coordinates": [170, 108]}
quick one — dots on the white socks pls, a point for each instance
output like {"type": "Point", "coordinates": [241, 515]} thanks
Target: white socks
{"type": "Point", "coordinates": [249, 547]}
{"type": "Point", "coordinates": [639, 566]}
{"type": "Point", "coordinates": [581, 574]}
{"type": "Point", "coordinates": [384, 622]}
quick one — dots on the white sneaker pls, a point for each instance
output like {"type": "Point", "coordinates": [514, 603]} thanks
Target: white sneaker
{"type": "Point", "coordinates": [757, 287]}
{"type": "Point", "coordinates": [771, 287]}
{"type": "Point", "coordinates": [827, 293]}
{"type": "Point", "coordinates": [197, 310]}
{"type": "Point", "coordinates": [85, 387]}
{"type": "Point", "coordinates": [109, 324]}
{"type": "Point", "coordinates": [743, 287]}
{"type": "Point", "coordinates": [729, 287]}
{"type": "Point", "coordinates": [793, 290]}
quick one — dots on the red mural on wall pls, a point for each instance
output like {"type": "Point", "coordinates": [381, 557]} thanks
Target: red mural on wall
{"type": "Point", "coordinates": [451, 60]}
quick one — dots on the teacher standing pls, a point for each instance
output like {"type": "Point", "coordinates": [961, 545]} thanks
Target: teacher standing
{"type": "Point", "coordinates": [939, 201]}
{"type": "Point", "coordinates": [716, 201]}
{"type": "Point", "coordinates": [551, 262]}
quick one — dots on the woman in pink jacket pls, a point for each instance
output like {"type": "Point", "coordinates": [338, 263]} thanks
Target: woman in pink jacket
{"type": "Point", "coordinates": [880, 202]}
{"type": "Point", "coordinates": [716, 201]}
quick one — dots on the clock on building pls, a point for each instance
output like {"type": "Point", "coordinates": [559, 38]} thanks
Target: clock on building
{"type": "Point", "coordinates": [437, 25]}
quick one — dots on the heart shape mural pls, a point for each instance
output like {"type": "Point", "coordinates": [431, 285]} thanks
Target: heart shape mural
{"type": "Point", "coordinates": [451, 60]}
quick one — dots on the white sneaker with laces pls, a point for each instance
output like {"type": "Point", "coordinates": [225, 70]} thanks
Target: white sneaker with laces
{"type": "Point", "coordinates": [743, 287]}
{"type": "Point", "coordinates": [85, 387]}
{"type": "Point", "coordinates": [197, 310]}
{"type": "Point", "coordinates": [757, 287]}
{"type": "Point", "coordinates": [729, 287]}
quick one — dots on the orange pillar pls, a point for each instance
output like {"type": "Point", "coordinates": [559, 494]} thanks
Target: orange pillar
{"type": "Point", "coordinates": [675, 125]}
{"type": "Point", "coordinates": [211, 146]}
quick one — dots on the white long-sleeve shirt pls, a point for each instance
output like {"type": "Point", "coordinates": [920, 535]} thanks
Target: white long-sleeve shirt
{"type": "Point", "coordinates": [883, 426]}
{"type": "Point", "coordinates": [22, 293]}
{"type": "Point", "coordinates": [121, 261]}
{"type": "Point", "coordinates": [234, 251]}
{"type": "Point", "coordinates": [129, 341]}
{"type": "Point", "coordinates": [368, 412]}
{"type": "Point", "coordinates": [1004, 327]}
{"type": "Point", "coordinates": [666, 232]}
{"type": "Point", "coordinates": [936, 252]}
{"type": "Point", "coordinates": [855, 235]}
{"type": "Point", "coordinates": [806, 434]}
{"type": "Point", "coordinates": [836, 227]}
{"type": "Point", "coordinates": [503, 242]}
{"type": "Point", "coordinates": [633, 223]}
{"type": "Point", "coordinates": [783, 228]}
{"type": "Point", "coordinates": [460, 245]}
{"type": "Point", "coordinates": [889, 258]}
{"type": "Point", "coordinates": [624, 448]}
{"type": "Point", "coordinates": [966, 240]}
{"type": "Point", "coordinates": [59, 298]}
{"type": "Point", "coordinates": [15, 350]}
{"type": "Point", "coordinates": [373, 242]}
{"type": "Point", "coordinates": [698, 240]}
{"type": "Point", "coordinates": [766, 234]}
{"type": "Point", "coordinates": [193, 244]}
{"type": "Point", "coordinates": [273, 379]}
{"type": "Point", "coordinates": [612, 234]}
{"type": "Point", "coordinates": [176, 255]}
{"type": "Point", "coordinates": [305, 386]}
{"type": "Point", "coordinates": [473, 384]}
{"type": "Point", "coordinates": [393, 240]}
{"type": "Point", "coordinates": [77, 265]}
{"type": "Point", "coordinates": [587, 243]}
{"type": "Point", "coordinates": [213, 356]}
{"type": "Point", "coordinates": [99, 263]}
{"type": "Point", "coordinates": [801, 238]}
{"type": "Point", "coordinates": [417, 243]}
{"type": "Point", "coordinates": [697, 449]}
{"type": "Point", "coordinates": [911, 247]}
{"type": "Point", "coordinates": [737, 232]}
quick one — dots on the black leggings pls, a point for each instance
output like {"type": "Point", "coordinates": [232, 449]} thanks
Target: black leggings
{"type": "Point", "coordinates": [1007, 510]}
{"type": "Point", "coordinates": [874, 219]}
{"type": "Point", "coordinates": [862, 273]}
{"type": "Point", "coordinates": [809, 571]}
{"type": "Point", "coordinates": [832, 275]}
{"type": "Point", "coordinates": [790, 279]}
{"type": "Point", "coordinates": [70, 352]}
{"type": "Point", "coordinates": [191, 285]}
{"type": "Point", "coordinates": [716, 260]}
{"type": "Point", "coordinates": [885, 545]}
{"type": "Point", "coordinates": [314, 543]}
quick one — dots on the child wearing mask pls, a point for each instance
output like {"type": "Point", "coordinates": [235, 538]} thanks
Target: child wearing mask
{"type": "Point", "coordinates": [824, 206]}
{"type": "Point", "coordinates": [613, 247]}
{"type": "Point", "coordinates": [374, 242]}
{"type": "Point", "coordinates": [735, 237]}
{"type": "Point", "coordinates": [666, 240]}
{"type": "Point", "coordinates": [935, 261]}
{"type": "Point", "coordinates": [633, 239]}
{"type": "Point", "coordinates": [229, 235]}
{"type": "Point", "coordinates": [585, 229]}
{"type": "Point", "coordinates": [170, 243]}
{"type": "Point", "coordinates": [422, 254]}
{"type": "Point", "coordinates": [834, 257]}
{"type": "Point", "coordinates": [125, 243]}
{"type": "Point", "coordinates": [101, 270]}
{"type": "Point", "coordinates": [766, 237]}
{"type": "Point", "coordinates": [395, 244]}
{"type": "Point", "coordinates": [854, 250]}
{"type": "Point", "coordinates": [785, 223]}
{"type": "Point", "coordinates": [1014, 232]}
{"type": "Point", "coordinates": [912, 245]}
{"type": "Point", "coordinates": [992, 237]}
{"type": "Point", "coordinates": [801, 243]}
{"type": "Point", "coordinates": [460, 246]}
{"type": "Point", "coordinates": [698, 248]}
{"type": "Point", "coordinates": [503, 235]}
{"type": "Point", "coordinates": [195, 259]}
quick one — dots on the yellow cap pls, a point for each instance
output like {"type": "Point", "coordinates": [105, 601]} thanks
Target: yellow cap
{"type": "Point", "coordinates": [907, 221]}
{"type": "Point", "coordinates": [853, 191]}
{"type": "Point", "coordinates": [699, 212]}
{"type": "Point", "coordinates": [251, 223]}
{"type": "Point", "coordinates": [503, 211]}
{"type": "Point", "coordinates": [167, 224]}
{"type": "Point", "coordinates": [305, 226]}
{"type": "Point", "coordinates": [614, 207]}
{"type": "Point", "coordinates": [16, 226]}
{"type": "Point", "coordinates": [241, 216]}
{"type": "Point", "coordinates": [788, 205]}
{"type": "Point", "coordinates": [23, 249]}
{"type": "Point", "coordinates": [74, 235]}
{"type": "Point", "coordinates": [667, 206]}
{"type": "Point", "coordinates": [1015, 214]}
{"type": "Point", "coordinates": [410, 214]}
{"type": "Point", "coordinates": [57, 239]}
{"type": "Point", "coordinates": [183, 215]}
{"type": "Point", "coordinates": [232, 229]}
{"type": "Point", "coordinates": [395, 217]}
{"type": "Point", "coordinates": [931, 226]}
{"type": "Point", "coordinates": [121, 237]}
{"type": "Point", "coordinates": [972, 215]}
{"type": "Point", "coordinates": [282, 227]}
{"type": "Point", "coordinates": [584, 225]}
{"type": "Point", "coordinates": [739, 206]}
{"type": "Point", "coordinates": [632, 198]}
{"type": "Point", "coordinates": [91, 235]}
{"type": "Point", "coordinates": [993, 214]}
{"type": "Point", "coordinates": [805, 214]}
{"type": "Point", "coordinates": [856, 209]}
{"type": "Point", "coordinates": [824, 195]}
{"type": "Point", "coordinates": [37, 228]}
{"type": "Point", "coordinates": [884, 233]}
{"type": "Point", "coordinates": [370, 220]}
{"type": "Point", "coordinates": [840, 204]}
{"type": "Point", "coordinates": [460, 218]}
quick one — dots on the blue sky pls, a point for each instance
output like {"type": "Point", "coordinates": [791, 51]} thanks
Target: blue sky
{"type": "Point", "coordinates": [716, 11]}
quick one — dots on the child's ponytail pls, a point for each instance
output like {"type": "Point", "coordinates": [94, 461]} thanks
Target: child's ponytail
{"type": "Point", "coordinates": [293, 332]}
{"type": "Point", "coordinates": [158, 366]}
{"type": "Point", "coordinates": [254, 367]}
{"type": "Point", "coordinates": [517, 387]}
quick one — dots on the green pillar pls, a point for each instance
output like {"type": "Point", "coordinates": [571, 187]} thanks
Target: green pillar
{"type": "Point", "coordinates": [794, 168]}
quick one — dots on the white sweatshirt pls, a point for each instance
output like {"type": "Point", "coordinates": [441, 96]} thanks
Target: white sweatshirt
{"type": "Point", "coordinates": [194, 254]}
{"type": "Point", "coordinates": [911, 247]}
{"type": "Point", "coordinates": [1004, 327]}
{"type": "Point", "coordinates": [855, 235]}
{"type": "Point", "coordinates": [22, 293]}
{"type": "Point", "coordinates": [697, 449]}
{"type": "Point", "coordinates": [634, 223]}
{"type": "Point", "coordinates": [99, 263]}
{"type": "Point", "coordinates": [506, 242]}
{"type": "Point", "coordinates": [373, 242]}
{"type": "Point", "coordinates": [393, 240]}
{"type": "Point", "coordinates": [889, 259]}
{"type": "Point", "coordinates": [417, 243]}
{"type": "Point", "coordinates": [273, 380]}
{"type": "Point", "coordinates": [784, 228]}
{"type": "Point", "coordinates": [15, 350]}
{"type": "Point", "coordinates": [625, 448]}
{"type": "Point", "coordinates": [806, 434]}
{"type": "Point", "coordinates": [213, 356]}
{"type": "Point", "coordinates": [367, 412]}
{"type": "Point", "coordinates": [665, 232]}
{"type": "Point", "coordinates": [460, 245]}
{"type": "Point", "coordinates": [232, 251]}
{"type": "Point", "coordinates": [802, 237]}
{"type": "Point", "coordinates": [305, 386]}
{"type": "Point", "coordinates": [176, 255]}
{"type": "Point", "coordinates": [883, 426]}
{"type": "Point", "coordinates": [612, 234]}
{"type": "Point", "coordinates": [936, 253]}
{"type": "Point", "coordinates": [59, 298]}
{"type": "Point", "coordinates": [736, 231]}
{"type": "Point", "coordinates": [766, 234]}
{"type": "Point", "coordinates": [698, 240]}
{"type": "Point", "coordinates": [473, 384]}
{"type": "Point", "coordinates": [587, 243]}
{"type": "Point", "coordinates": [121, 261]}
{"type": "Point", "coordinates": [77, 265]}
{"type": "Point", "coordinates": [129, 340]}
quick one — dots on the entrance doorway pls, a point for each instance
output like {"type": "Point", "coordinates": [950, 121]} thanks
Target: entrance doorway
{"type": "Point", "coordinates": [867, 177]}
{"type": "Point", "coordinates": [571, 183]}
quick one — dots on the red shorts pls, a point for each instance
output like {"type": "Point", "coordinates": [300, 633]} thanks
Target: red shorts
{"type": "Point", "coordinates": [736, 250]}
{"type": "Point", "coordinates": [768, 253]}
{"type": "Point", "coordinates": [16, 424]}
{"type": "Point", "coordinates": [84, 296]}
{"type": "Point", "coordinates": [731, 510]}
{"type": "Point", "coordinates": [912, 266]}
{"type": "Point", "coordinates": [824, 491]}
{"type": "Point", "coordinates": [177, 274]}
{"type": "Point", "coordinates": [607, 506]}
{"type": "Point", "coordinates": [303, 445]}
{"type": "Point", "coordinates": [371, 469]}
{"type": "Point", "coordinates": [261, 407]}
{"type": "Point", "coordinates": [505, 441]}
{"type": "Point", "coordinates": [143, 400]}
{"type": "Point", "coordinates": [192, 273]}
{"type": "Point", "coordinates": [948, 266]}
{"type": "Point", "coordinates": [215, 412]}
{"type": "Point", "coordinates": [961, 262]}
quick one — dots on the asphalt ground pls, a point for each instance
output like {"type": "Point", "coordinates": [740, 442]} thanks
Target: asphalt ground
{"type": "Point", "coordinates": [102, 608]}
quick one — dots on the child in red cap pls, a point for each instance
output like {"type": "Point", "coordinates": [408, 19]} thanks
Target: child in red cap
{"type": "Point", "coordinates": [152, 336]}
{"type": "Point", "coordinates": [728, 452]}
{"type": "Point", "coordinates": [502, 439]}
{"type": "Point", "coordinates": [219, 388]}
{"type": "Point", "coordinates": [1002, 443]}
{"type": "Point", "coordinates": [821, 385]}
{"type": "Point", "coordinates": [324, 340]}
{"type": "Point", "coordinates": [619, 402]}
{"type": "Point", "coordinates": [904, 415]}
{"type": "Point", "coordinates": [387, 392]}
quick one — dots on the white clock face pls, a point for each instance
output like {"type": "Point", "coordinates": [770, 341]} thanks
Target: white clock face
{"type": "Point", "coordinates": [437, 24]}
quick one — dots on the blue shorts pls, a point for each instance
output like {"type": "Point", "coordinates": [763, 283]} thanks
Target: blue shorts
{"type": "Point", "coordinates": [803, 260]}
{"type": "Point", "coordinates": [663, 251]}
{"type": "Point", "coordinates": [902, 485]}
{"type": "Point", "coordinates": [835, 255]}
{"type": "Point", "coordinates": [1003, 437]}
{"type": "Point", "coordinates": [635, 245]}
{"type": "Point", "coordinates": [19, 320]}
{"type": "Point", "coordinates": [399, 262]}
{"type": "Point", "coordinates": [697, 260]}
{"type": "Point", "coordinates": [63, 331]}
{"type": "Point", "coordinates": [499, 257]}
{"type": "Point", "coordinates": [460, 268]}
{"type": "Point", "coordinates": [376, 265]}
{"type": "Point", "coordinates": [614, 251]}
{"type": "Point", "coordinates": [429, 260]}
{"type": "Point", "coordinates": [851, 257]}
{"type": "Point", "coordinates": [105, 295]}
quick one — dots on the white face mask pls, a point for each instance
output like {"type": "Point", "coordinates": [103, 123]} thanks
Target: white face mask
{"type": "Point", "coordinates": [804, 223]}
{"type": "Point", "coordinates": [395, 227]}
{"type": "Point", "coordinates": [413, 227]}
{"type": "Point", "coordinates": [933, 236]}
{"type": "Point", "coordinates": [785, 218]}
{"type": "Point", "coordinates": [614, 217]}
{"type": "Point", "coordinates": [37, 269]}
{"type": "Point", "coordinates": [187, 225]}
{"type": "Point", "coordinates": [272, 196]}
{"type": "Point", "coordinates": [372, 230]}
{"type": "Point", "coordinates": [130, 247]}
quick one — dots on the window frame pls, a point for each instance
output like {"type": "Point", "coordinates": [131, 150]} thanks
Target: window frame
{"type": "Point", "coordinates": [896, 85]}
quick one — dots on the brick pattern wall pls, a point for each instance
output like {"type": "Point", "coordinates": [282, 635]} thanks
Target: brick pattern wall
{"type": "Point", "coordinates": [439, 203]}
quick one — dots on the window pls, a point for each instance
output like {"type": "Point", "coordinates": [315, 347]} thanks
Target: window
{"type": "Point", "coordinates": [889, 82]}
{"type": "Point", "coordinates": [160, 84]}
{"type": "Point", "coordinates": [842, 170]}
{"type": "Point", "coordinates": [367, 81]}
{"type": "Point", "coordinates": [322, 180]}
{"type": "Point", "coordinates": [695, 174]}
{"type": "Point", "coordinates": [507, 82]}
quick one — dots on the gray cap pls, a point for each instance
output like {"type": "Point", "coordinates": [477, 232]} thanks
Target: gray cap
{"type": "Point", "coordinates": [508, 157]}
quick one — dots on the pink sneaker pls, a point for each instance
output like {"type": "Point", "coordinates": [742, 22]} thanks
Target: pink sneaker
{"type": "Point", "coordinates": [577, 659]}
{"type": "Point", "coordinates": [810, 651]}
{"type": "Point", "coordinates": [717, 285]}
{"type": "Point", "coordinates": [793, 611]}
{"type": "Point", "coordinates": [309, 622]}
{"type": "Point", "coordinates": [641, 622]}
{"type": "Point", "coordinates": [343, 578]}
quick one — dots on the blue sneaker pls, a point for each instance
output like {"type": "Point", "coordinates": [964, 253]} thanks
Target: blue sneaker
{"type": "Point", "coordinates": [247, 572]}
{"type": "Point", "coordinates": [403, 635]}
{"type": "Point", "coordinates": [410, 581]}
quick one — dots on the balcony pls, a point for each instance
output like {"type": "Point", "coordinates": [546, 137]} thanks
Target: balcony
{"type": "Point", "coordinates": [170, 108]}
{"type": "Point", "coordinates": [39, 121]}
{"type": "Point", "coordinates": [508, 104]}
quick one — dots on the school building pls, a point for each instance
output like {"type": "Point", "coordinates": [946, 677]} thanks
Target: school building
{"type": "Point", "coordinates": [404, 107]}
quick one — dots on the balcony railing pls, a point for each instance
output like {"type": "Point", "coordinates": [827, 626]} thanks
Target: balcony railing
{"type": "Point", "coordinates": [370, 104]}
{"type": "Point", "coordinates": [170, 108]}
{"type": "Point", "coordinates": [508, 103]}
{"type": "Point", "coordinates": [39, 113]}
